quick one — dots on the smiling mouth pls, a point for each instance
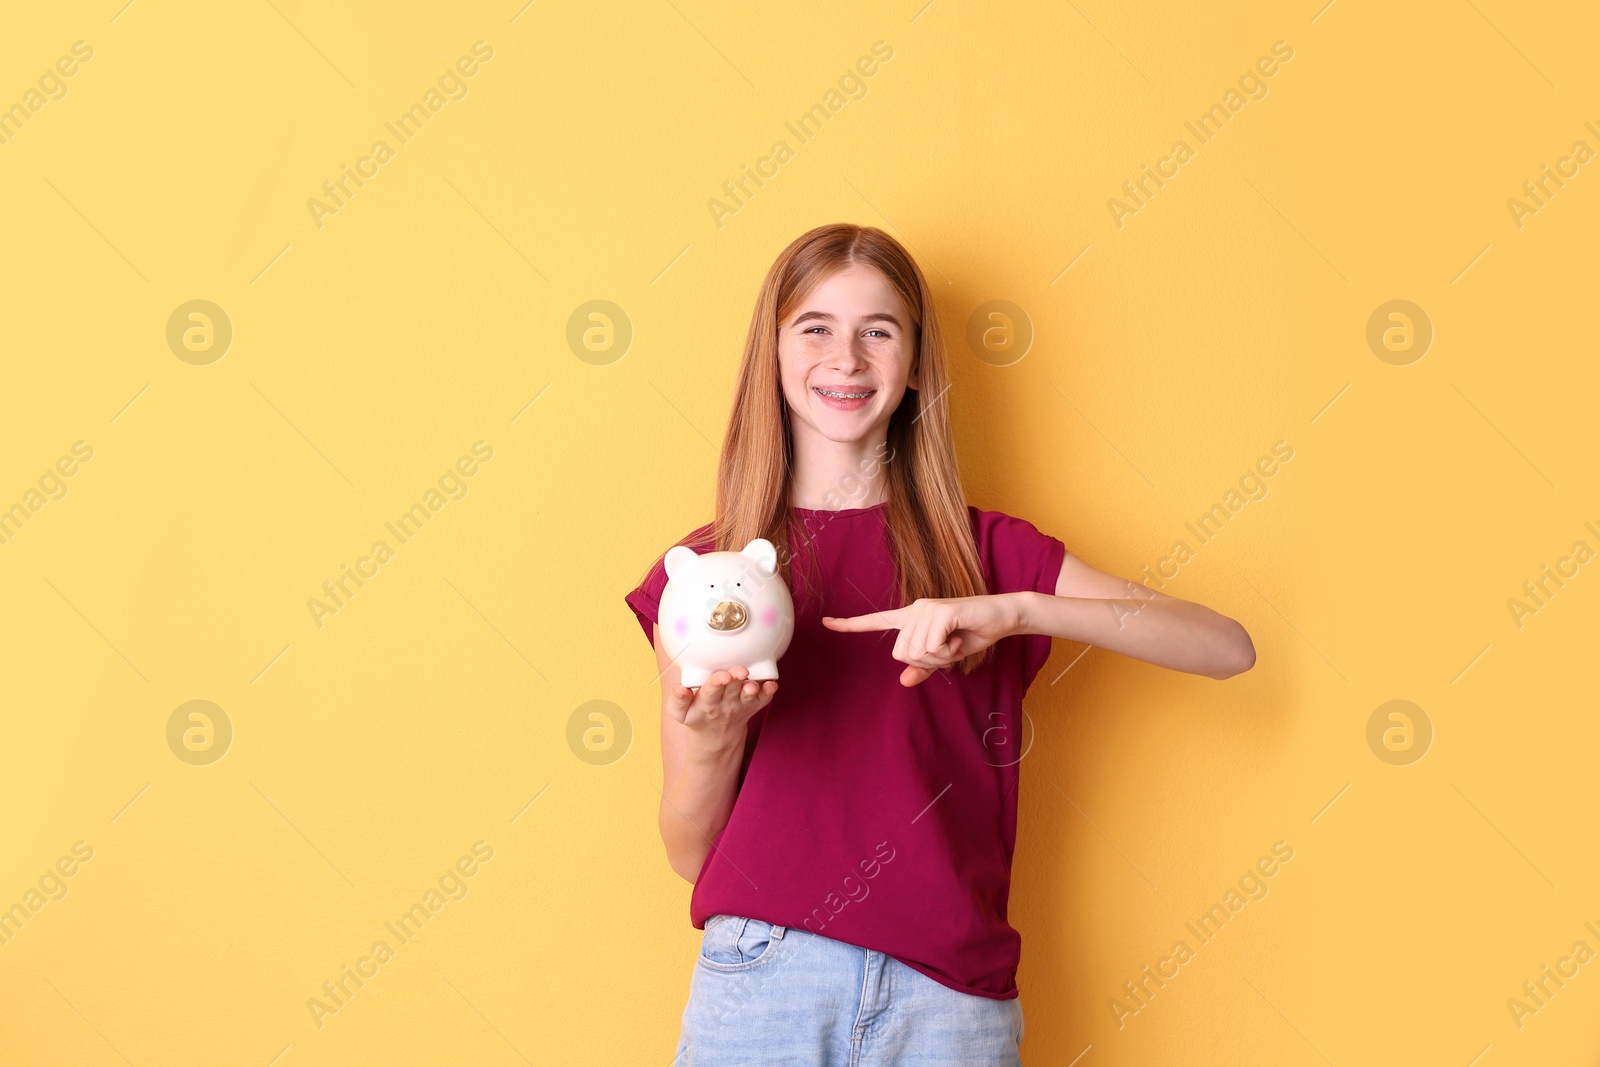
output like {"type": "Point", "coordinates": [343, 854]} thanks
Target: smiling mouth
{"type": "Point", "coordinates": [845, 396]}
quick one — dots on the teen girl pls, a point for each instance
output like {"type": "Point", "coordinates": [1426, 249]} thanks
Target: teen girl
{"type": "Point", "coordinates": [850, 837]}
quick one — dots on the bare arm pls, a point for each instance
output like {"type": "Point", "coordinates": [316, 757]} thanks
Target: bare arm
{"type": "Point", "coordinates": [1088, 605]}
{"type": "Point", "coordinates": [1123, 616]}
{"type": "Point", "coordinates": [702, 747]}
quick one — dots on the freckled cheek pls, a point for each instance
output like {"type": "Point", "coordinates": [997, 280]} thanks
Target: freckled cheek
{"type": "Point", "coordinates": [769, 617]}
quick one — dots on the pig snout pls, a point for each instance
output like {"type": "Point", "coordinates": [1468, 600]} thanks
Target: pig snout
{"type": "Point", "coordinates": [728, 615]}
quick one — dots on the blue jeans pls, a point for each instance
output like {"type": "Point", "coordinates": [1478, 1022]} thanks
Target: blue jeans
{"type": "Point", "coordinates": [773, 995]}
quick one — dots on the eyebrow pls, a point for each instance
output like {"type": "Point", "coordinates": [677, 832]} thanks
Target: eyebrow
{"type": "Point", "coordinates": [876, 316]}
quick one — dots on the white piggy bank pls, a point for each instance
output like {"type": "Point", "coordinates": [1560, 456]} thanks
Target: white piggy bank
{"type": "Point", "coordinates": [725, 609]}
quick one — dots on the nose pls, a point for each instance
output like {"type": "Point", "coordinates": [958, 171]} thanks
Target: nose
{"type": "Point", "coordinates": [849, 356]}
{"type": "Point", "coordinates": [727, 616]}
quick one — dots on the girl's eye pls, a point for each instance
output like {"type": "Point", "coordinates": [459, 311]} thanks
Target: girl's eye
{"type": "Point", "coordinates": [881, 333]}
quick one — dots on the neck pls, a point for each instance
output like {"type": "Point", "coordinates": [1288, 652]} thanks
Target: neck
{"type": "Point", "coordinates": [835, 475]}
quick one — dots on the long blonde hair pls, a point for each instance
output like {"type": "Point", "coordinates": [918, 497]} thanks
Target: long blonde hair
{"type": "Point", "coordinates": [929, 528]}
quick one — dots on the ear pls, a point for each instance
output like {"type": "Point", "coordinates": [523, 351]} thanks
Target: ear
{"type": "Point", "coordinates": [765, 556]}
{"type": "Point", "coordinates": [679, 557]}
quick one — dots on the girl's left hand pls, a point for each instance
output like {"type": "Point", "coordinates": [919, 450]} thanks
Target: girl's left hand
{"type": "Point", "coordinates": [935, 633]}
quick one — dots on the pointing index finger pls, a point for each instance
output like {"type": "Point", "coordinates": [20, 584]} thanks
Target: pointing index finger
{"type": "Point", "coordinates": [877, 620]}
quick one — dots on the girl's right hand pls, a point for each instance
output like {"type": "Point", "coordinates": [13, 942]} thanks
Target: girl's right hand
{"type": "Point", "coordinates": [719, 709]}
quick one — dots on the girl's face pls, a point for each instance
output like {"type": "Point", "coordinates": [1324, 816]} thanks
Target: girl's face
{"type": "Point", "coordinates": [851, 336]}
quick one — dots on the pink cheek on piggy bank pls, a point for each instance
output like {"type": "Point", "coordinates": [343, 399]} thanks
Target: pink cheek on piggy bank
{"type": "Point", "coordinates": [681, 625]}
{"type": "Point", "coordinates": [769, 618]}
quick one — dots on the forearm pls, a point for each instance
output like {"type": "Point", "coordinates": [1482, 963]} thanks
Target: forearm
{"type": "Point", "coordinates": [1156, 628]}
{"type": "Point", "coordinates": [698, 804]}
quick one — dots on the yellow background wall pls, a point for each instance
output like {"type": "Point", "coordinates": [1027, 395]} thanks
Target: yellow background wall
{"type": "Point", "coordinates": [372, 747]}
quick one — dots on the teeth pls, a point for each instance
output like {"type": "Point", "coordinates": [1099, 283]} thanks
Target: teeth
{"type": "Point", "coordinates": [844, 396]}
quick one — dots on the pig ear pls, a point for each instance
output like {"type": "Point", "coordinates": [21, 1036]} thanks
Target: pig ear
{"type": "Point", "coordinates": [765, 556]}
{"type": "Point", "coordinates": [679, 557]}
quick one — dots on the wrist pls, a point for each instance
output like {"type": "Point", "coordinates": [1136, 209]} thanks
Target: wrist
{"type": "Point", "coordinates": [714, 749]}
{"type": "Point", "coordinates": [1020, 612]}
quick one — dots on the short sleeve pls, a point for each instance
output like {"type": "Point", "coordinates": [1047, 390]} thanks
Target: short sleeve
{"type": "Point", "coordinates": [645, 598]}
{"type": "Point", "coordinates": [1047, 568]}
{"type": "Point", "coordinates": [1021, 558]}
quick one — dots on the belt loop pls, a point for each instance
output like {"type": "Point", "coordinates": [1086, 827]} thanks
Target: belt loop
{"type": "Point", "coordinates": [777, 932]}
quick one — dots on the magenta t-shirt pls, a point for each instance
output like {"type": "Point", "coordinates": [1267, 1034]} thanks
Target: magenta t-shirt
{"type": "Point", "coordinates": [871, 813]}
